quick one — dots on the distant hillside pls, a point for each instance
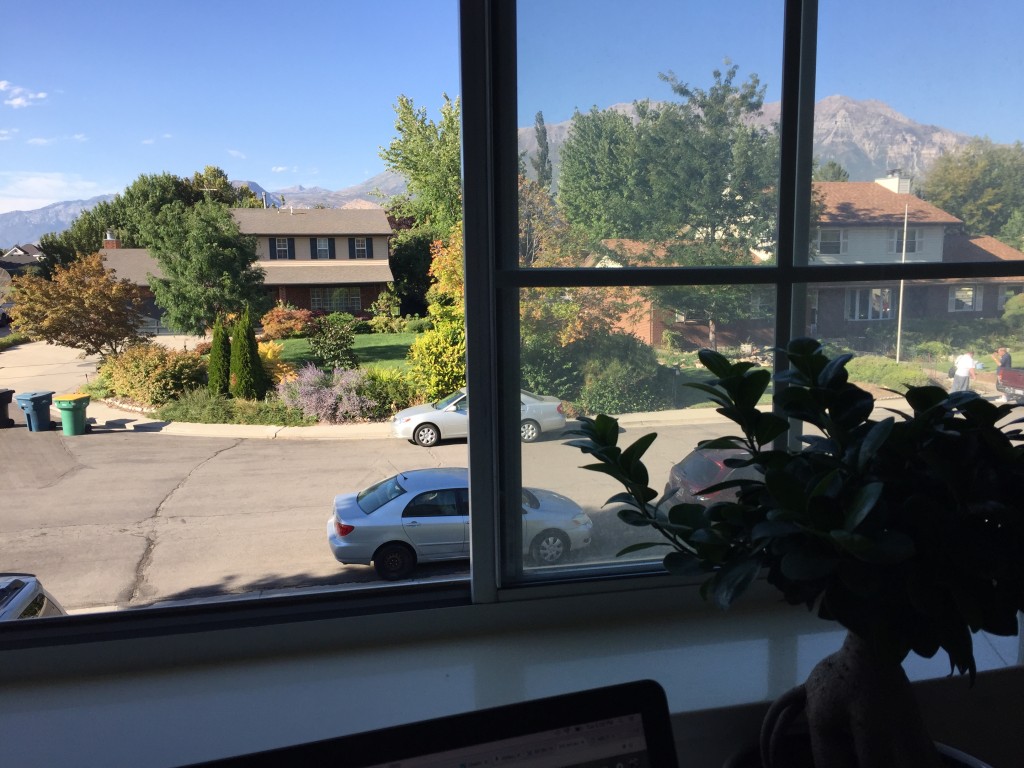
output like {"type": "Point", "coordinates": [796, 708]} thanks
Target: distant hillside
{"type": "Point", "coordinates": [868, 138]}
{"type": "Point", "coordinates": [19, 227]}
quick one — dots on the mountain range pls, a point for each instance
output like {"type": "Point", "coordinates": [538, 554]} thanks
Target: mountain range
{"type": "Point", "coordinates": [868, 138]}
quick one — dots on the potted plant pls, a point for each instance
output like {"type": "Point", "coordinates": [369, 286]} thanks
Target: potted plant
{"type": "Point", "coordinates": [908, 531]}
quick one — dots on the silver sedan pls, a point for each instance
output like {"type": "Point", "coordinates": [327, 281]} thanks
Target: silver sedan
{"type": "Point", "coordinates": [423, 516]}
{"type": "Point", "coordinates": [426, 424]}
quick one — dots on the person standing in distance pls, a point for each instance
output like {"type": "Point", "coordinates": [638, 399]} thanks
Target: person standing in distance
{"type": "Point", "coordinates": [964, 372]}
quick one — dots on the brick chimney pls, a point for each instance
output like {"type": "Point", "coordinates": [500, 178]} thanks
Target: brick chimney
{"type": "Point", "coordinates": [110, 240]}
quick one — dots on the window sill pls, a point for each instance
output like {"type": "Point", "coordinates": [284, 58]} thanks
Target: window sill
{"type": "Point", "coordinates": [244, 688]}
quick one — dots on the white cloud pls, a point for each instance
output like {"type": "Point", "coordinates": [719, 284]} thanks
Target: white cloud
{"type": "Point", "coordinates": [7, 133]}
{"type": "Point", "coordinates": [26, 190]}
{"type": "Point", "coordinates": [149, 141]}
{"type": "Point", "coordinates": [236, 153]}
{"type": "Point", "coordinates": [40, 142]}
{"type": "Point", "coordinates": [20, 97]}
{"type": "Point", "coordinates": [279, 169]}
{"type": "Point", "coordinates": [166, 136]}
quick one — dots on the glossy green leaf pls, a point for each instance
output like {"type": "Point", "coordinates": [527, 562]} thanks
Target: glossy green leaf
{"type": "Point", "coordinates": [634, 517]}
{"type": "Point", "coordinates": [862, 504]}
{"type": "Point", "coordinates": [733, 579]}
{"type": "Point", "coordinates": [718, 364]}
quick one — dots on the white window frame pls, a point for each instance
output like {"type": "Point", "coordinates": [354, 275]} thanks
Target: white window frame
{"type": "Point", "coordinates": [360, 248]}
{"type": "Point", "coordinates": [841, 243]}
{"type": "Point", "coordinates": [323, 248]}
{"type": "Point", "coordinates": [957, 294]}
{"type": "Point", "coordinates": [915, 240]}
{"type": "Point", "coordinates": [1007, 292]}
{"type": "Point", "coordinates": [281, 247]}
{"type": "Point", "coordinates": [869, 298]}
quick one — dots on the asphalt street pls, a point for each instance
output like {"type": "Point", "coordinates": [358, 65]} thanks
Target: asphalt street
{"type": "Point", "coordinates": [119, 519]}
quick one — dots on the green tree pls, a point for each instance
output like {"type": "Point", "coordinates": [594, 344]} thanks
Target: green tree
{"type": "Point", "coordinates": [428, 156]}
{"type": "Point", "coordinates": [1012, 232]}
{"type": "Point", "coordinates": [219, 364]}
{"type": "Point", "coordinates": [981, 183]}
{"type": "Point", "coordinates": [542, 162]}
{"type": "Point", "coordinates": [410, 266]}
{"type": "Point", "coordinates": [209, 266]}
{"type": "Point", "coordinates": [84, 307]}
{"type": "Point", "coordinates": [1013, 314]}
{"type": "Point", "coordinates": [830, 171]}
{"type": "Point", "coordinates": [333, 339]}
{"type": "Point", "coordinates": [599, 178]}
{"type": "Point", "coordinates": [249, 380]}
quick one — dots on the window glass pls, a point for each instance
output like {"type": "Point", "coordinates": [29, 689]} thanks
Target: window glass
{"type": "Point", "coordinates": [377, 495]}
{"type": "Point", "coordinates": [323, 250]}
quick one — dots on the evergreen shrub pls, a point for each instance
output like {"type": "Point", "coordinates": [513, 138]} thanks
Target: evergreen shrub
{"type": "Point", "coordinates": [389, 389]}
{"type": "Point", "coordinates": [248, 379]}
{"type": "Point", "coordinates": [219, 363]}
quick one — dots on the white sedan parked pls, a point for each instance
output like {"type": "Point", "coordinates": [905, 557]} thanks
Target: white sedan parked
{"type": "Point", "coordinates": [426, 424]}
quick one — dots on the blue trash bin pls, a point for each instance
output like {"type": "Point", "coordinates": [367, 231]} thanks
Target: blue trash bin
{"type": "Point", "coordinates": [36, 406]}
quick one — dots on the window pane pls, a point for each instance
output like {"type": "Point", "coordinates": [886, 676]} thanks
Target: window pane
{"type": "Point", "coordinates": [642, 153]}
{"type": "Point", "coordinates": [624, 352]}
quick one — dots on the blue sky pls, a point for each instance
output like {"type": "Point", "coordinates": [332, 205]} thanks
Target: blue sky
{"type": "Point", "coordinates": [285, 94]}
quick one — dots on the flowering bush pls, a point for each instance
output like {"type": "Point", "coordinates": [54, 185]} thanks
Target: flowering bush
{"type": "Point", "coordinates": [333, 397]}
{"type": "Point", "coordinates": [285, 321]}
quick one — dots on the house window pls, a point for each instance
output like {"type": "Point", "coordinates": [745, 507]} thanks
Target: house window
{"type": "Point", "coordinates": [280, 248]}
{"type": "Point", "coordinates": [965, 298]}
{"type": "Point", "coordinates": [341, 299]}
{"type": "Point", "coordinates": [832, 242]}
{"type": "Point", "coordinates": [869, 304]}
{"type": "Point", "coordinates": [914, 240]}
{"type": "Point", "coordinates": [323, 250]}
{"type": "Point", "coordinates": [359, 248]}
{"type": "Point", "coordinates": [1007, 292]}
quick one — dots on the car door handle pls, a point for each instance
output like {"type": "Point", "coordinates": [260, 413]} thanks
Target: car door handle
{"type": "Point", "coordinates": [413, 523]}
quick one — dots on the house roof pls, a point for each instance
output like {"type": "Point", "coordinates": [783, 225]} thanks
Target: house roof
{"type": "Point", "coordinates": [343, 272]}
{"type": "Point", "coordinates": [867, 203]}
{"type": "Point", "coordinates": [136, 263]}
{"type": "Point", "coordinates": [960, 248]}
{"type": "Point", "coordinates": [321, 222]}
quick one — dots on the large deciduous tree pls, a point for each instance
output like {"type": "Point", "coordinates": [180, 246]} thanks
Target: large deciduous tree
{"type": "Point", "coordinates": [209, 267]}
{"type": "Point", "coordinates": [83, 306]}
{"type": "Point", "coordinates": [981, 183]}
{"type": "Point", "coordinates": [427, 155]}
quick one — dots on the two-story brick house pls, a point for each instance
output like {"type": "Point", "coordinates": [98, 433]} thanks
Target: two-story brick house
{"type": "Point", "coordinates": [331, 259]}
{"type": "Point", "coordinates": [864, 223]}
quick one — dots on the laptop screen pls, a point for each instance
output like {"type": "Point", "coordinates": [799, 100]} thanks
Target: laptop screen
{"type": "Point", "coordinates": [619, 726]}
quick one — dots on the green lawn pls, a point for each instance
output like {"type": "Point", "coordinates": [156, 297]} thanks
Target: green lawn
{"type": "Point", "coordinates": [387, 350]}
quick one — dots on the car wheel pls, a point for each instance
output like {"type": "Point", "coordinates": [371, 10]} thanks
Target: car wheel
{"type": "Point", "coordinates": [529, 431]}
{"type": "Point", "coordinates": [394, 561]}
{"type": "Point", "coordinates": [426, 435]}
{"type": "Point", "coordinates": [549, 547]}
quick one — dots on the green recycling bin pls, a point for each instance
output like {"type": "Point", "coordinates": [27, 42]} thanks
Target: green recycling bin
{"type": "Point", "coordinates": [72, 412]}
{"type": "Point", "coordinates": [36, 406]}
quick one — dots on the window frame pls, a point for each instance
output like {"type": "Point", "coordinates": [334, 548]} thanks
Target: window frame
{"type": "Point", "coordinates": [360, 251]}
{"type": "Point", "coordinates": [493, 280]}
{"type": "Point", "coordinates": [853, 299]}
{"type": "Point", "coordinates": [977, 294]}
{"type": "Point", "coordinates": [335, 298]}
{"type": "Point", "coordinates": [279, 248]}
{"type": "Point", "coordinates": [915, 240]}
{"type": "Point", "coordinates": [842, 242]}
{"type": "Point", "coordinates": [323, 249]}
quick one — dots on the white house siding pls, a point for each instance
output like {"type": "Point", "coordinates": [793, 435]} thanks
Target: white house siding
{"type": "Point", "coordinates": [870, 245]}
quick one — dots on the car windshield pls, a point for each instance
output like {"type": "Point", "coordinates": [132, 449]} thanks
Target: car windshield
{"type": "Point", "coordinates": [702, 470]}
{"type": "Point", "coordinates": [440, 405]}
{"type": "Point", "coordinates": [373, 498]}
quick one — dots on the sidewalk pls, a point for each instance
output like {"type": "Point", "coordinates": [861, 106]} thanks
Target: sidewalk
{"type": "Point", "coordinates": [43, 367]}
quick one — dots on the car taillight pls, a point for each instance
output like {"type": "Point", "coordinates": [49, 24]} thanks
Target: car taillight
{"type": "Point", "coordinates": [343, 529]}
{"type": "Point", "coordinates": [559, 408]}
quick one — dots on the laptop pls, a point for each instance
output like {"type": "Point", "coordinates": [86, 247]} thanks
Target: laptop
{"type": "Point", "coordinates": [617, 726]}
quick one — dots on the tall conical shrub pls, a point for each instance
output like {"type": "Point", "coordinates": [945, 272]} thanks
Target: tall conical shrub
{"type": "Point", "coordinates": [218, 369]}
{"type": "Point", "coordinates": [248, 379]}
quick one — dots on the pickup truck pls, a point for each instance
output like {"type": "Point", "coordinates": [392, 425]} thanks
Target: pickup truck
{"type": "Point", "coordinates": [1010, 381]}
